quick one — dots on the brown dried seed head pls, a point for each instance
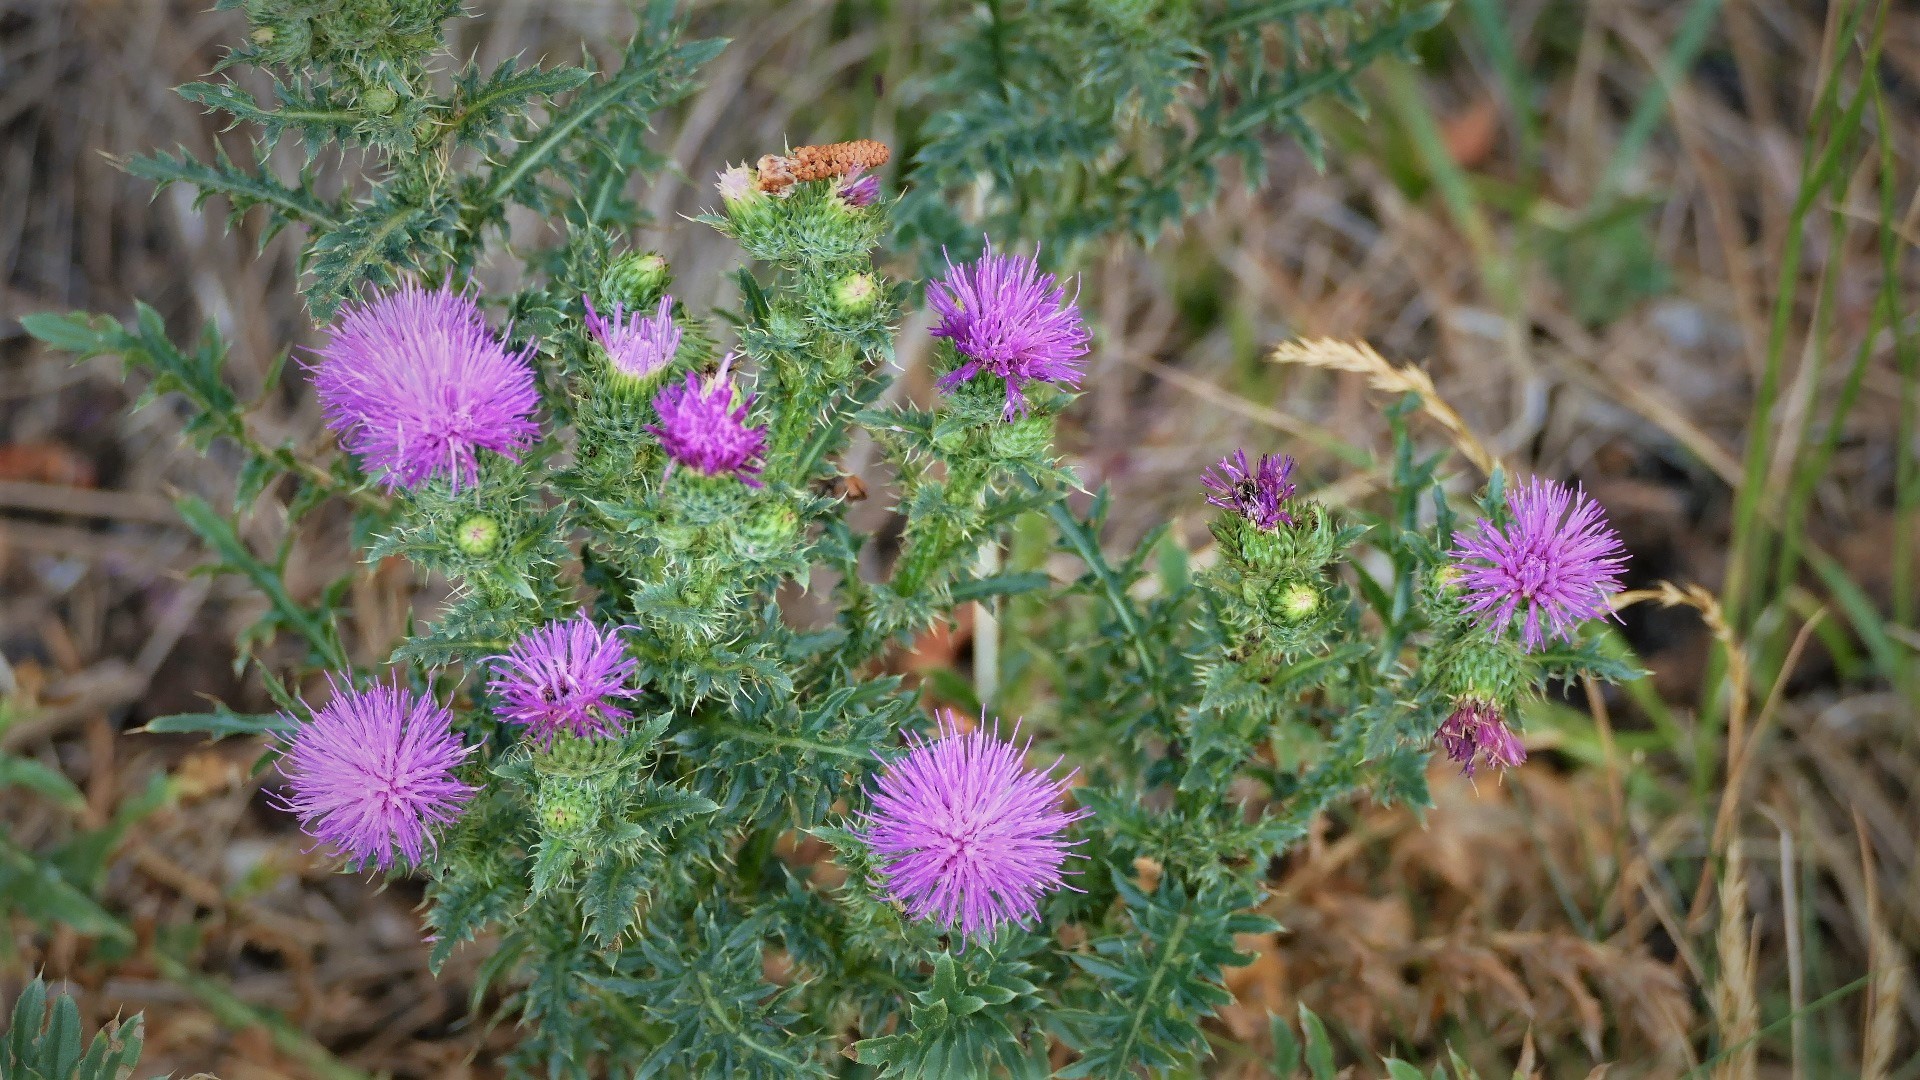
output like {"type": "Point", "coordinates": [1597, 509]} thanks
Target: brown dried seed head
{"type": "Point", "coordinates": [774, 173]}
{"type": "Point", "coordinates": [810, 163]}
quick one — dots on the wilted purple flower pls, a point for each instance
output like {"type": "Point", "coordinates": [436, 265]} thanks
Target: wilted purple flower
{"type": "Point", "coordinates": [562, 678]}
{"type": "Point", "coordinates": [415, 383]}
{"type": "Point", "coordinates": [1258, 494]}
{"type": "Point", "coordinates": [736, 184]}
{"type": "Point", "coordinates": [1476, 734]}
{"type": "Point", "coordinates": [1559, 560]}
{"type": "Point", "coordinates": [1006, 317]}
{"type": "Point", "coordinates": [967, 835]}
{"type": "Point", "coordinates": [705, 430]}
{"type": "Point", "coordinates": [638, 346]}
{"type": "Point", "coordinates": [372, 774]}
{"type": "Point", "coordinates": [858, 188]}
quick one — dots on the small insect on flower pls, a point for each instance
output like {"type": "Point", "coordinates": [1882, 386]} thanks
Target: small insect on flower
{"type": "Point", "coordinates": [705, 428]}
{"type": "Point", "coordinates": [372, 774]}
{"type": "Point", "coordinates": [638, 347]}
{"type": "Point", "coordinates": [1258, 494]}
{"type": "Point", "coordinates": [416, 384]}
{"type": "Point", "coordinates": [1476, 734]}
{"type": "Point", "coordinates": [563, 679]}
{"type": "Point", "coordinates": [1007, 318]}
{"type": "Point", "coordinates": [777, 173]}
{"type": "Point", "coordinates": [967, 835]}
{"type": "Point", "coordinates": [1555, 565]}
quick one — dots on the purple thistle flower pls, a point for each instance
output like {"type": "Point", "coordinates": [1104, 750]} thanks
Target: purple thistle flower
{"type": "Point", "coordinates": [1476, 734]}
{"type": "Point", "coordinates": [1559, 560]}
{"type": "Point", "coordinates": [858, 188]}
{"type": "Point", "coordinates": [414, 382]}
{"type": "Point", "coordinates": [1258, 494]}
{"type": "Point", "coordinates": [638, 346]}
{"type": "Point", "coordinates": [372, 774]}
{"type": "Point", "coordinates": [1006, 317]}
{"type": "Point", "coordinates": [561, 679]}
{"type": "Point", "coordinates": [703, 428]}
{"type": "Point", "coordinates": [968, 836]}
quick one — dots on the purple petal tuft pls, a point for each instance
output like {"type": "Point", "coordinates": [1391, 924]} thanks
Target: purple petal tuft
{"type": "Point", "coordinates": [1554, 566]}
{"type": "Point", "coordinates": [1258, 494]}
{"type": "Point", "coordinates": [372, 774]}
{"type": "Point", "coordinates": [1007, 318]}
{"type": "Point", "coordinates": [562, 678]}
{"type": "Point", "coordinates": [968, 836]}
{"type": "Point", "coordinates": [415, 384]}
{"type": "Point", "coordinates": [703, 429]}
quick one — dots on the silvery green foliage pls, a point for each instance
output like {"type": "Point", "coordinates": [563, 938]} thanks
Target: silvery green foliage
{"type": "Point", "coordinates": [1068, 120]}
{"type": "Point", "coordinates": [643, 915]}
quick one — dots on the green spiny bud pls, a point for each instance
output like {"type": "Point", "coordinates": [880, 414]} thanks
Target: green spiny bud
{"type": "Point", "coordinates": [855, 293]}
{"type": "Point", "coordinates": [380, 98]}
{"type": "Point", "coordinates": [769, 530]}
{"type": "Point", "coordinates": [477, 535]}
{"type": "Point", "coordinates": [567, 805]}
{"type": "Point", "coordinates": [263, 36]}
{"type": "Point", "coordinates": [1299, 601]}
{"type": "Point", "coordinates": [636, 280]}
{"type": "Point", "coordinates": [1023, 439]}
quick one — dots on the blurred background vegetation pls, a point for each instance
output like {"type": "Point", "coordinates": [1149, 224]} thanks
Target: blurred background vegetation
{"type": "Point", "coordinates": [1665, 248]}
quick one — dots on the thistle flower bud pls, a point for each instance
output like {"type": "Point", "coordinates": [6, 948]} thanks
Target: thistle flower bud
{"type": "Point", "coordinates": [855, 294]}
{"type": "Point", "coordinates": [1299, 601]}
{"type": "Point", "coordinates": [1023, 439]}
{"type": "Point", "coordinates": [477, 535]}
{"type": "Point", "coordinates": [635, 281]}
{"type": "Point", "coordinates": [380, 99]}
{"type": "Point", "coordinates": [769, 530]}
{"type": "Point", "coordinates": [567, 806]}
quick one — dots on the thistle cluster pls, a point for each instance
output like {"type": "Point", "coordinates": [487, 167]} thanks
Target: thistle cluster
{"type": "Point", "coordinates": [650, 746]}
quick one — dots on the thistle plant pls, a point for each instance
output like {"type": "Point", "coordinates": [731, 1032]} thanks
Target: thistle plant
{"type": "Point", "coordinates": [603, 751]}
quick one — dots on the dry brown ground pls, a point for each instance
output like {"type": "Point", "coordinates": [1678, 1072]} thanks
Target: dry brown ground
{"type": "Point", "coordinates": [1545, 912]}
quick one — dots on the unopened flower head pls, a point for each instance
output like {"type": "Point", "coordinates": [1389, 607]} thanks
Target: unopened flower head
{"type": "Point", "coordinates": [967, 835]}
{"type": "Point", "coordinates": [858, 188]}
{"type": "Point", "coordinates": [476, 535]}
{"type": "Point", "coordinates": [1475, 734]}
{"type": "Point", "coordinates": [372, 774]}
{"type": "Point", "coordinates": [1553, 567]}
{"type": "Point", "coordinates": [1258, 494]}
{"type": "Point", "coordinates": [1006, 317]}
{"type": "Point", "coordinates": [638, 346]}
{"type": "Point", "coordinates": [563, 679]}
{"type": "Point", "coordinates": [705, 427]}
{"type": "Point", "coordinates": [415, 383]}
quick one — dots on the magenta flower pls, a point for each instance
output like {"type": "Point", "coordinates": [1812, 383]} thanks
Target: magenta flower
{"type": "Point", "coordinates": [1476, 734]}
{"type": "Point", "coordinates": [638, 346]}
{"type": "Point", "coordinates": [372, 774]}
{"type": "Point", "coordinates": [966, 834]}
{"type": "Point", "coordinates": [1258, 494]}
{"type": "Point", "coordinates": [1559, 561]}
{"type": "Point", "coordinates": [705, 430]}
{"type": "Point", "coordinates": [561, 679]}
{"type": "Point", "coordinates": [858, 188]}
{"type": "Point", "coordinates": [1004, 316]}
{"type": "Point", "coordinates": [415, 383]}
